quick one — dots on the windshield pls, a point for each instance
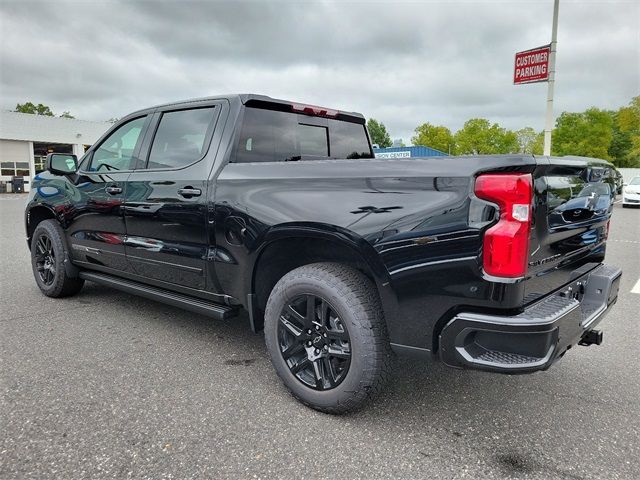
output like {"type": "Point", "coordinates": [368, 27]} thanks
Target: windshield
{"type": "Point", "coordinates": [274, 136]}
{"type": "Point", "coordinates": [635, 181]}
{"type": "Point", "coordinates": [598, 189]}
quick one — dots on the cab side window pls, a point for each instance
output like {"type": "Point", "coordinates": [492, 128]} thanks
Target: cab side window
{"type": "Point", "coordinates": [116, 152]}
{"type": "Point", "coordinates": [180, 138]}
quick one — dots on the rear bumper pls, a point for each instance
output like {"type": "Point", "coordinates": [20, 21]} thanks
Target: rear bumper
{"type": "Point", "coordinates": [537, 337]}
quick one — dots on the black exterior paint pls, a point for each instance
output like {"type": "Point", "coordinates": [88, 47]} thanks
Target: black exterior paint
{"type": "Point", "coordinates": [414, 223]}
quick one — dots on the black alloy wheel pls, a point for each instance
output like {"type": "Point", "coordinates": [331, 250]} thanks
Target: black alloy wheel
{"type": "Point", "coordinates": [326, 335]}
{"type": "Point", "coordinates": [314, 342]}
{"type": "Point", "coordinates": [49, 261]}
{"type": "Point", "coordinates": [45, 259]}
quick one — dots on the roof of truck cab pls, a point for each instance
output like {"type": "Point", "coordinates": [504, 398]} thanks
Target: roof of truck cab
{"type": "Point", "coordinates": [244, 98]}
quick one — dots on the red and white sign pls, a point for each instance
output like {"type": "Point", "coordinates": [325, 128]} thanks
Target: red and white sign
{"type": "Point", "coordinates": [532, 65]}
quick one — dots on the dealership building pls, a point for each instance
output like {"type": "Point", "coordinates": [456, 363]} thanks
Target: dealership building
{"type": "Point", "coordinates": [26, 139]}
{"type": "Point", "coordinates": [407, 152]}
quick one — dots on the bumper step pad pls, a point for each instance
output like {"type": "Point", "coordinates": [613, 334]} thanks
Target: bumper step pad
{"type": "Point", "coordinates": [535, 338]}
{"type": "Point", "coordinates": [506, 358]}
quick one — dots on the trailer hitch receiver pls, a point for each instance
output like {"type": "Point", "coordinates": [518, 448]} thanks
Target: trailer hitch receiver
{"type": "Point", "coordinates": [592, 337]}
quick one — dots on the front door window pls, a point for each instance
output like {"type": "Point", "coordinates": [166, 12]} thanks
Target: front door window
{"type": "Point", "coordinates": [116, 152]}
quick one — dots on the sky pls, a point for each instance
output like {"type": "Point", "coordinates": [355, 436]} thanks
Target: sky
{"type": "Point", "coordinates": [403, 63]}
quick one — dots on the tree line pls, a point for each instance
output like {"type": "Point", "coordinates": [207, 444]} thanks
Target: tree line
{"type": "Point", "coordinates": [39, 109]}
{"type": "Point", "coordinates": [608, 134]}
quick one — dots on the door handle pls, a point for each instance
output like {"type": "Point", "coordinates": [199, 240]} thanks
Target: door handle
{"type": "Point", "coordinates": [113, 190]}
{"type": "Point", "coordinates": [189, 192]}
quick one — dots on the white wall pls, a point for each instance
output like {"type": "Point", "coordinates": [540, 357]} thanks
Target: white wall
{"type": "Point", "coordinates": [629, 173]}
{"type": "Point", "coordinates": [78, 150]}
{"type": "Point", "coordinates": [41, 128]}
{"type": "Point", "coordinates": [18, 131]}
{"type": "Point", "coordinates": [32, 168]}
{"type": "Point", "coordinates": [15, 151]}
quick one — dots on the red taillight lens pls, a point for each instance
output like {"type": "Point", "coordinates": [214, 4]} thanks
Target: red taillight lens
{"type": "Point", "coordinates": [506, 244]}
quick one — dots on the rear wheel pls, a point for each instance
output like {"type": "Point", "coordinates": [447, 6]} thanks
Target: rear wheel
{"type": "Point", "coordinates": [48, 254]}
{"type": "Point", "coordinates": [326, 336]}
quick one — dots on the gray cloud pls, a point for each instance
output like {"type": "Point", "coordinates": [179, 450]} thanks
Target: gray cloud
{"type": "Point", "coordinates": [401, 62]}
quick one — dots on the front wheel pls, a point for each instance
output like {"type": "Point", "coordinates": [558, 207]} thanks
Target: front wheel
{"type": "Point", "coordinates": [326, 336]}
{"type": "Point", "coordinates": [48, 253]}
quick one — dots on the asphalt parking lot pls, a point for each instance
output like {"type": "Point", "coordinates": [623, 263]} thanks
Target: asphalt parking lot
{"type": "Point", "coordinates": [108, 385]}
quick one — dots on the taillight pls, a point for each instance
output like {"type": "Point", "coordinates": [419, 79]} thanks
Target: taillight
{"type": "Point", "coordinates": [506, 244]}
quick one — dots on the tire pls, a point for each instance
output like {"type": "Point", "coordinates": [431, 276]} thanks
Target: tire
{"type": "Point", "coordinates": [48, 255]}
{"type": "Point", "coordinates": [347, 309]}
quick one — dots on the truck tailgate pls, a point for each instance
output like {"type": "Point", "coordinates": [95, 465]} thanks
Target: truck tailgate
{"type": "Point", "coordinates": [572, 206]}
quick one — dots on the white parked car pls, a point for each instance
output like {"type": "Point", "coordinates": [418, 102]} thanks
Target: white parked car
{"type": "Point", "coordinates": [631, 193]}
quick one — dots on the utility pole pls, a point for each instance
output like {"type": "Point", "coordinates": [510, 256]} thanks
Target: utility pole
{"type": "Point", "coordinates": [548, 126]}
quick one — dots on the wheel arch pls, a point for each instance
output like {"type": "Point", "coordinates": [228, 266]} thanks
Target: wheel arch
{"type": "Point", "coordinates": [36, 214]}
{"type": "Point", "coordinates": [287, 247]}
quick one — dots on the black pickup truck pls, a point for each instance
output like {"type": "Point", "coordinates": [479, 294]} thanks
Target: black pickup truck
{"type": "Point", "coordinates": [279, 208]}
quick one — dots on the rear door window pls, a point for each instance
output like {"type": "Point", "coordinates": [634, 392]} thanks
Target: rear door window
{"type": "Point", "coordinates": [267, 136]}
{"type": "Point", "coordinates": [180, 139]}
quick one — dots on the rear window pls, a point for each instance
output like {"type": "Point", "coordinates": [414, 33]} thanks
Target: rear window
{"type": "Point", "coordinates": [272, 136]}
{"type": "Point", "coordinates": [348, 140]}
{"type": "Point", "coordinates": [313, 140]}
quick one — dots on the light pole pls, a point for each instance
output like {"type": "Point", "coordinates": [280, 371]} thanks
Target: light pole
{"type": "Point", "coordinates": [548, 125]}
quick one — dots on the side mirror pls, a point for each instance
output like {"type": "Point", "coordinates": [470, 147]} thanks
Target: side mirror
{"type": "Point", "coordinates": [61, 163]}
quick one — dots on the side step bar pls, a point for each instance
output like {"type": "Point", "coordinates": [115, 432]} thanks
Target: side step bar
{"type": "Point", "coordinates": [197, 305]}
